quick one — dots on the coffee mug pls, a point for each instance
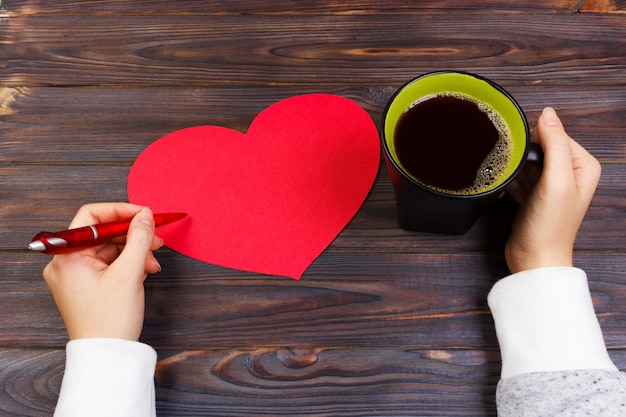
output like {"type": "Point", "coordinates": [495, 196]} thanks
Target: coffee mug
{"type": "Point", "coordinates": [452, 141]}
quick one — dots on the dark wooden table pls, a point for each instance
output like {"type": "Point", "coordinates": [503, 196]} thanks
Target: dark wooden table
{"type": "Point", "coordinates": [385, 322]}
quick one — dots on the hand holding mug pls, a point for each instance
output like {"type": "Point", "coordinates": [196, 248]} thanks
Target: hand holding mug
{"type": "Point", "coordinates": [554, 202]}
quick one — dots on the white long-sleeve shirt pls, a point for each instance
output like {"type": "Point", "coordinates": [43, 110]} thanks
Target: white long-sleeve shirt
{"type": "Point", "coordinates": [107, 378]}
{"type": "Point", "coordinates": [554, 360]}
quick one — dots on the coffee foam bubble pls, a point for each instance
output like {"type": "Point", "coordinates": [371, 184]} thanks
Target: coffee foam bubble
{"type": "Point", "coordinates": [494, 165]}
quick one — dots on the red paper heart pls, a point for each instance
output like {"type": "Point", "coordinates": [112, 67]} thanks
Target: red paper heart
{"type": "Point", "coordinates": [268, 201]}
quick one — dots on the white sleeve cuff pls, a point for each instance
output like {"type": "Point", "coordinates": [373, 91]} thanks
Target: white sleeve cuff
{"type": "Point", "coordinates": [107, 377]}
{"type": "Point", "coordinates": [545, 321]}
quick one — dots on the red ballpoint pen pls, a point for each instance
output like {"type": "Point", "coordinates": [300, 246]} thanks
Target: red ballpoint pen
{"type": "Point", "coordinates": [89, 236]}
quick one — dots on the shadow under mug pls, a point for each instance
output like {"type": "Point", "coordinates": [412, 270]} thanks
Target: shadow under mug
{"type": "Point", "coordinates": [422, 208]}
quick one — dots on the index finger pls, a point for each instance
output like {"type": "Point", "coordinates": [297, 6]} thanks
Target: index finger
{"type": "Point", "coordinates": [103, 212]}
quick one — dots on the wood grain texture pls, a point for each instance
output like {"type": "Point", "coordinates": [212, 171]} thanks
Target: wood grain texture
{"type": "Point", "coordinates": [384, 322]}
{"type": "Point", "coordinates": [289, 7]}
{"type": "Point", "coordinates": [63, 125]}
{"type": "Point", "coordinates": [433, 300]}
{"type": "Point", "coordinates": [366, 50]}
{"type": "Point", "coordinates": [147, 8]}
{"type": "Point", "coordinates": [285, 381]}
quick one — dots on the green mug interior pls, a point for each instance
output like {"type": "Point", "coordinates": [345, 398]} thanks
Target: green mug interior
{"type": "Point", "coordinates": [471, 85]}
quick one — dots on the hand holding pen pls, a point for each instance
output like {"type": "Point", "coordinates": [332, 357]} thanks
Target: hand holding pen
{"type": "Point", "coordinates": [71, 240]}
{"type": "Point", "coordinates": [99, 290]}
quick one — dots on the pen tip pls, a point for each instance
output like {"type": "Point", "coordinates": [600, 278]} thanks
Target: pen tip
{"type": "Point", "coordinates": [36, 245]}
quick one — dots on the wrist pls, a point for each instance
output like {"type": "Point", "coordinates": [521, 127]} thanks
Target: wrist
{"type": "Point", "coordinates": [523, 260]}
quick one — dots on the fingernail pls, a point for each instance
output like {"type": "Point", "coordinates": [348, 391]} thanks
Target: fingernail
{"type": "Point", "coordinates": [550, 118]}
{"type": "Point", "coordinates": [146, 217]}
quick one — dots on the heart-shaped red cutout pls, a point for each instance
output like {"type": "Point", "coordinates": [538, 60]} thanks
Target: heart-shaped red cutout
{"type": "Point", "coordinates": [271, 200]}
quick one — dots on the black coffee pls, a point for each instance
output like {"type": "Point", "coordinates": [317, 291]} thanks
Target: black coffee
{"type": "Point", "coordinates": [453, 144]}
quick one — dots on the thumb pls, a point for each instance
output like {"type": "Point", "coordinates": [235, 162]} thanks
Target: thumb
{"type": "Point", "coordinates": [555, 143]}
{"type": "Point", "coordinates": [139, 240]}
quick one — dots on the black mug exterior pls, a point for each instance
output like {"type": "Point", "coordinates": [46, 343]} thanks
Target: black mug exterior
{"type": "Point", "coordinates": [424, 209]}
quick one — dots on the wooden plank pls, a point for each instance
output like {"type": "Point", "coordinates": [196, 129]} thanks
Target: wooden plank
{"type": "Point", "coordinates": [285, 381]}
{"type": "Point", "coordinates": [62, 125]}
{"type": "Point", "coordinates": [282, 381]}
{"type": "Point", "coordinates": [351, 382]}
{"type": "Point", "coordinates": [364, 50]}
{"type": "Point", "coordinates": [148, 8]}
{"type": "Point", "coordinates": [425, 300]}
